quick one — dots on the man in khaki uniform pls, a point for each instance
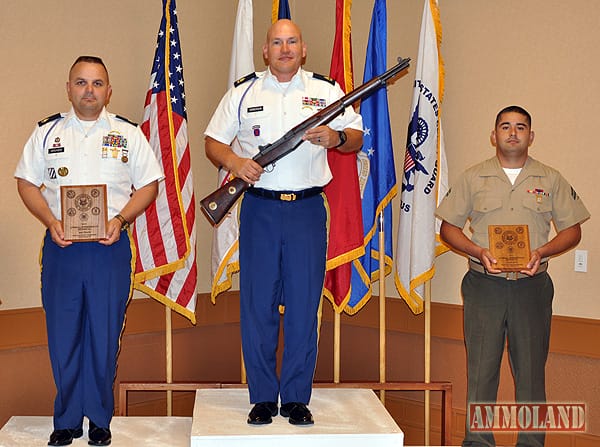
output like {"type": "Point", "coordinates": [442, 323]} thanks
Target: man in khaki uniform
{"type": "Point", "coordinates": [509, 189]}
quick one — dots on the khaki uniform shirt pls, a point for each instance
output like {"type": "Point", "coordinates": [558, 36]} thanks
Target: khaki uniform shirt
{"type": "Point", "coordinates": [484, 194]}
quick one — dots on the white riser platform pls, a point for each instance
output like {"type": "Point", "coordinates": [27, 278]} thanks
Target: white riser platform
{"type": "Point", "coordinates": [343, 417]}
{"type": "Point", "coordinates": [34, 431]}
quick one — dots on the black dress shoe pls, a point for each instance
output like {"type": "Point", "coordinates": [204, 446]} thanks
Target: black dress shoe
{"type": "Point", "coordinates": [98, 435]}
{"type": "Point", "coordinates": [64, 436]}
{"type": "Point", "coordinates": [262, 413]}
{"type": "Point", "coordinates": [298, 413]}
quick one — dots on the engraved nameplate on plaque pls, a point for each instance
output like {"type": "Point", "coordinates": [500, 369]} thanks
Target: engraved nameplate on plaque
{"type": "Point", "coordinates": [509, 244]}
{"type": "Point", "coordinates": [84, 212]}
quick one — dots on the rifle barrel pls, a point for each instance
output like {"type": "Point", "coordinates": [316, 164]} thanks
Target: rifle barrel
{"type": "Point", "coordinates": [216, 205]}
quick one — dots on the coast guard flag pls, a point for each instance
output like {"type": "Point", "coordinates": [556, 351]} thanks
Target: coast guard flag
{"type": "Point", "coordinates": [343, 193]}
{"type": "Point", "coordinates": [165, 234]}
{"type": "Point", "coordinates": [280, 10]}
{"type": "Point", "coordinates": [224, 254]}
{"type": "Point", "coordinates": [424, 182]}
{"type": "Point", "coordinates": [377, 173]}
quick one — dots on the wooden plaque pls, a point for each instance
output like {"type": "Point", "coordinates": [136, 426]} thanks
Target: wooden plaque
{"type": "Point", "coordinates": [509, 244]}
{"type": "Point", "coordinates": [84, 212]}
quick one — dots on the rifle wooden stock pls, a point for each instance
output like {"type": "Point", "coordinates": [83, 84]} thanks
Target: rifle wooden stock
{"type": "Point", "coordinates": [216, 205]}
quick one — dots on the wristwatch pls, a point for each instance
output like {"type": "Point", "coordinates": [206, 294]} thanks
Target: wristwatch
{"type": "Point", "coordinates": [124, 223]}
{"type": "Point", "coordinates": [343, 138]}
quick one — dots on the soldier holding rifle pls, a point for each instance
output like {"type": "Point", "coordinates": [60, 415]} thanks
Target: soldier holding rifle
{"type": "Point", "coordinates": [283, 217]}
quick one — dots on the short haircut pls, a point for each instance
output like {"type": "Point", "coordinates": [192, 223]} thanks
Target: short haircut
{"type": "Point", "coordinates": [516, 109]}
{"type": "Point", "coordinates": [91, 60]}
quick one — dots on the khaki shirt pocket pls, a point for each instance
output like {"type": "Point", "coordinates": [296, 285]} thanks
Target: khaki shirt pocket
{"type": "Point", "coordinates": [486, 211]}
{"type": "Point", "coordinates": [539, 213]}
{"type": "Point", "coordinates": [486, 204]}
{"type": "Point", "coordinates": [533, 204]}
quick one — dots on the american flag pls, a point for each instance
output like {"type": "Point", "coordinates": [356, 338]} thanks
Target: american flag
{"type": "Point", "coordinates": [165, 234]}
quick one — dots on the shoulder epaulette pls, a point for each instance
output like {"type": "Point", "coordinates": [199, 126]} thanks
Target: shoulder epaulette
{"type": "Point", "coordinates": [122, 118]}
{"type": "Point", "coordinates": [243, 79]}
{"type": "Point", "coordinates": [49, 118]}
{"type": "Point", "coordinates": [324, 78]}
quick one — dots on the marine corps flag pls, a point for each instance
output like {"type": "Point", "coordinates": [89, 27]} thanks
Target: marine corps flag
{"type": "Point", "coordinates": [424, 181]}
{"type": "Point", "coordinates": [343, 191]}
{"type": "Point", "coordinates": [165, 234]}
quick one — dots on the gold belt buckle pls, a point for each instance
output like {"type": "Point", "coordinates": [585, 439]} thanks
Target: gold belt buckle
{"type": "Point", "coordinates": [512, 276]}
{"type": "Point", "coordinates": [287, 197]}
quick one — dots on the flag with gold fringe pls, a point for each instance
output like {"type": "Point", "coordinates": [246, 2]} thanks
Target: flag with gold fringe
{"type": "Point", "coordinates": [280, 10]}
{"type": "Point", "coordinates": [424, 181]}
{"type": "Point", "coordinates": [165, 234]}
{"type": "Point", "coordinates": [377, 172]}
{"type": "Point", "coordinates": [343, 192]}
{"type": "Point", "coordinates": [224, 254]}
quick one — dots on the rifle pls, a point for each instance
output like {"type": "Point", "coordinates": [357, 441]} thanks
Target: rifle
{"type": "Point", "coordinates": [216, 205]}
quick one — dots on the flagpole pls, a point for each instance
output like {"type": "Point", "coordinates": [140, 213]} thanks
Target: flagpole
{"type": "Point", "coordinates": [336, 347]}
{"type": "Point", "coordinates": [169, 358]}
{"type": "Point", "coordinates": [382, 325]}
{"type": "Point", "coordinates": [427, 356]}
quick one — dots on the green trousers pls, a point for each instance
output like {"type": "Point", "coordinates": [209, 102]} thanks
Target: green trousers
{"type": "Point", "coordinates": [497, 310]}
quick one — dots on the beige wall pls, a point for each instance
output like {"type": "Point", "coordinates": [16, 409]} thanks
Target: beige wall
{"type": "Point", "coordinates": [539, 54]}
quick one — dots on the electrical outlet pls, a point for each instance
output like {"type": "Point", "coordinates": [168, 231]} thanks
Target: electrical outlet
{"type": "Point", "coordinates": [581, 260]}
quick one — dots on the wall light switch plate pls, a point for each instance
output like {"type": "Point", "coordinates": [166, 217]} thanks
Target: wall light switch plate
{"type": "Point", "coordinates": [581, 260]}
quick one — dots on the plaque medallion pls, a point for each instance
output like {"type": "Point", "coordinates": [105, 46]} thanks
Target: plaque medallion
{"type": "Point", "coordinates": [509, 244]}
{"type": "Point", "coordinates": [84, 213]}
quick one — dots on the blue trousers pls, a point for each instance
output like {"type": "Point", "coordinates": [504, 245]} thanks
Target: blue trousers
{"type": "Point", "coordinates": [283, 248]}
{"type": "Point", "coordinates": [496, 310]}
{"type": "Point", "coordinates": [85, 290]}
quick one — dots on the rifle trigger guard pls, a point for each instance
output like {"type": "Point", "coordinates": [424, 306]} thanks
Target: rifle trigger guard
{"type": "Point", "coordinates": [269, 168]}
